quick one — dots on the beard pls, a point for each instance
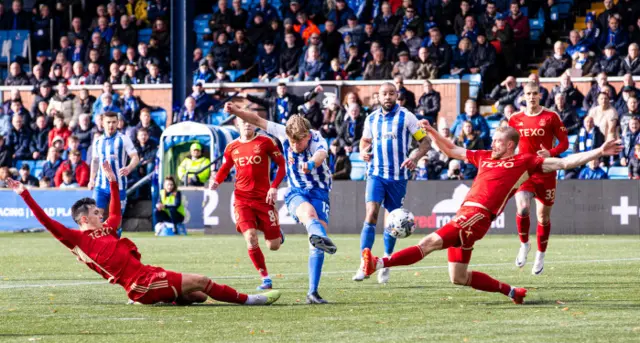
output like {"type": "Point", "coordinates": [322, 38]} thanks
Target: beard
{"type": "Point", "coordinates": [388, 106]}
{"type": "Point", "coordinates": [495, 155]}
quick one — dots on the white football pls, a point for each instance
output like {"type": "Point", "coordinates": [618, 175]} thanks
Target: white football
{"type": "Point", "coordinates": [400, 223]}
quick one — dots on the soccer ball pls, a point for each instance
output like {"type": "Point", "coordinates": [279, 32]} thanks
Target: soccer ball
{"type": "Point", "coordinates": [400, 223]}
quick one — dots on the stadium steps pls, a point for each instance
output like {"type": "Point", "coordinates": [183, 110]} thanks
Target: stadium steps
{"type": "Point", "coordinates": [596, 7]}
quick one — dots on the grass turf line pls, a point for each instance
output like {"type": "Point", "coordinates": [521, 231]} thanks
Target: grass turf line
{"type": "Point", "coordinates": [572, 301]}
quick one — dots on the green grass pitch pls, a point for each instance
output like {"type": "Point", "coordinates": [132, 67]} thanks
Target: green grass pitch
{"type": "Point", "coordinates": [590, 292]}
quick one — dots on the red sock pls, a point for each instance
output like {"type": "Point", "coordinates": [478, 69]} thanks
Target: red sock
{"type": "Point", "coordinates": [523, 223]}
{"type": "Point", "coordinates": [404, 257]}
{"type": "Point", "coordinates": [224, 293]}
{"type": "Point", "coordinates": [484, 282]}
{"type": "Point", "coordinates": [542, 234]}
{"type": "Point", "coordinates": [256, 256]}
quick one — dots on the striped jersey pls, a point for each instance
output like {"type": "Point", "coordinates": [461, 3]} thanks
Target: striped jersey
{"type": "Point", "coordinates": [318, 178]}
{"type": "Point", "coordinates": [390, 135]}
{"type": "Point", "coordinates": [114, 149]}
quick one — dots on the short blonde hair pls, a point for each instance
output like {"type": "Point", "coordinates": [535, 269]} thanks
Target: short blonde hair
{"type": "Point", "coordinates": [510, 133]}
{"type": "Point", "coordinates": [298, 127]}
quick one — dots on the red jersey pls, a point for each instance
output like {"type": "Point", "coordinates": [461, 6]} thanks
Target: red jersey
{"type": "Point", "coordinates": [115, 259]}
{"type": "Point", "coordinates": [498, 180]}
{"type": "Point", "coordinates": [252, 160]}
{"type": "Point", "coordinates": [540, 129]}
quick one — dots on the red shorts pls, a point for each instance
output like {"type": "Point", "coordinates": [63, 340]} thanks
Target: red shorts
{"type": "Point", "coordinates": [156, 285]}
{"type": "Point", "coordinates": [468, 226]}
{"type": "Point", "coordinates": [257, 215]}
{"type": "Point", "coordinates": [543, 186]}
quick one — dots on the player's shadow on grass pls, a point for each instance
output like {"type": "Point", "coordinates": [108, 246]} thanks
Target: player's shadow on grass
{"type": "Point", "coordinates": [65, 334]}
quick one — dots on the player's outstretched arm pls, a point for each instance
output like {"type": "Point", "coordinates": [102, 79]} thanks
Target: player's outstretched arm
{"type": "Point", "coordinates": [59, 231]}
{"type": "Point", "coordinates": [443, 143]}
{"type": "Point", "coordinates": [247, 116]}
{"type": "Point", "coordinates": [115, 210]}
{"type": "Point", "coordinates": [276, 156]}
{"type": "Point", "coordinates": [223, 172]}
{"type": "Point", "coordinates": [609, 148]}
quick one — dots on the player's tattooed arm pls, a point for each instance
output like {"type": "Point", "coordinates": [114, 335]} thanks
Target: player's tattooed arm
{"type": "Point", "coordinates": [450, 149]}
{"type": "Point", "coordinates": [609, 148]}
{"type": "Point", "coordinates": [423, 147]}
{"type": "Point", "coordinates": [316, 160]}
{"type": "Point", "coordinates": [248, 116]}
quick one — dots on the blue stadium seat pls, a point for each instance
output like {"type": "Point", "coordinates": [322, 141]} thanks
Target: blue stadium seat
{"type": "Point", "coordinates": [216, 118]}
{"type": "Point", "coordinates": [534, 35]}
{"type": "Point", "coordinates": [321, 27]}
{"type": "Point", "coordinates": [581, 112]}
{"type": "Point", "coordinates": [205, 16]}
{"type": "Point", "coordinates": [200, 24]}
{"type": "Point", "coordinates": [205, 46]}
{"type": "Point", "coordinates": [561, 174]}
{"type": "Point", "coordinates": [144, 35]}
{"type": "Point", "coordinates": [159, 116]}
{"type": "Point", "coordinates": [560, 11]}
{"type": "Point", "coordinates": [618, 173]}
{"type": "Point", "coordinates": [525, 11]}
{"type": "Point", "coordinates": [449, 76]}
{"type": "Point", "coordinates": [451, 40]}
{"type": "Point", "coordinates": [475, 83]}
{"type": "Point", "coordinates": [358, 167]}
{"type": "Point", "coordinates": [572, 140]}
{"type": "Point", "coordinates": [235, 74]}
{"type": "Point", "coordinates": [536, 24]}
{"type": "Point", "coordinates": [37, 170]}
{"type": "Point", "coordinates": [31, 164]}
{"type": "Point", "coordinates": [15, 43]}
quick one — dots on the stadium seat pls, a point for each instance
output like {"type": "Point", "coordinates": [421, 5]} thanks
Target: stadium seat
{"type": "Point", "coordinates": [159, 116]}
{"type": "Point", "coordinates": [31, 164]}
{"type": "Point", "coordinates": [475, 84]}
{"type": "Point", "coordinates": [216, 118]}
{"type": "Point", "coordinates": [235, 74]}
{"type": "Point", "coordinates": [204, 16]}
{"type": "Point", "coordinates": [560, 11]}
{"type": "Point", "coordinates": [561, 174]}
{"type": "Point", "coordinates": [534, 35]}
{"type": "Point", "coordinates": [618, 173]}
{"type": "Point", "coordinates": [452, 40]}
{"type": "Point", "coordinates": [37, 170]}
{"type": "Point", "coordinates": [15, 44]}
{"type": "Point", "coordinates": [144, 35]}
{"type": "Point", "coordinates": [205, 46]}
{"type": "Point", "coordinates": [358, 167]}
{"type": "Point", "coordinates": [572, 140]}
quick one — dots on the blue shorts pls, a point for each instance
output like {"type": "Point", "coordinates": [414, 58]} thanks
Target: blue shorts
{"type": "Point", "coordinates": [102, 198]}
{"type": "Point", "coordinates": [388, 193]}
{"type": "Point", "coordinates": [318, 198]}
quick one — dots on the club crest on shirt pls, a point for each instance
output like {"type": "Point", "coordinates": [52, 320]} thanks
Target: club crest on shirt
{"type": "Point", "coordinates": [256, 149]}
{"type": "Point", "coordinates": [542, 122]}
{"type": "Point", "coordinates": [235, 151]}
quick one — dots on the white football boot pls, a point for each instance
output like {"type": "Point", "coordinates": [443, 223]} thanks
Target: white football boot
{"type": "Point", "coordinates": [383, 274]}
{"type": "Point", "coordinates": [538, 265]}
{"type": "Point", "coordinates": [360, 273]}
{"type": "Point", "coordinates": [521, 259]}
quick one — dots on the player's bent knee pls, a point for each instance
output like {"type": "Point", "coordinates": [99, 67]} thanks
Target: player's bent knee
{"type": "Point", "coordinates": [273, 244]}
{"type": "Point", "coordinates": [430, 243]}
{"type": "Point", "coordinates": [251, 239]}
{"type": "Point", "coordinates": [458, 279]}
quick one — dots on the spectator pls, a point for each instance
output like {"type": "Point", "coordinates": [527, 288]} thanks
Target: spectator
{"type": "Point", "coordinates": [73, 143]}
{"type": "Point", "coordinates": [425, 68]}
{"type": "Point", "coordinates": [404, 67]}
{"type": "Point", "coordinates": [194, 163]}
{"type": "Point", "coordinates": [627, 81]}
{"type": "Point", "coordinates": [353, 28]}
{"type": "Point", "coordinates": [470, 29]}
{"type": "Point", "coordinates": [574, 44]}
{"type": "Point", "coordinates": [410, 20]}
{"type": "Point", "coordinates": [343, 52]}
{"type": "Point", "coordinates": [615, 36]}
{"type": "Point", "coordinates": [67, 180]}
{"type": "Point", "coordinates": [520, 25]}
{"type": "Point", "coordinates": [268, 62]}
{"type": "Point", "coordinates": [97, 50]}
{"type": "Point", "coordinates": [267, 11]}
{"type": "Point", "coordinates": [350, 131]}
{"type": "Point", "coordinates": [630, 138]}
{"type": "Point", "coordinates": [568, 114]}
{"type": "Point", "coordinates": [20, 138]}
{"type": "Point", "coordinates": [505, 93]}
{"type": "Point", "coordinates": [40, 138]}
{"type": "Point", "coordinates": [51, 164]}
{"type": "Point", "coordinates": [460, 63]}
{"type": "Point", "coordinates": [412, 42]}
{"type": "Point", "coordinates": [610, 63]}
{"type": "Point", "coordinates": [37, 77]}
{"type": "Point", "coordinates": [459, 20]}
{"type": "Point", "coordinates": [633, 111]}
{"type": "Point", "coordinates": [6, 154]}
{"type": "Point", "coordinates": [4, 173]}
{"type": "Point", "coordinates": [385, 23]}
{"type": "Point", "coordinates": [501, 37]}
{"type": "Point", "coordinates": [115, 76]}
{"type": "Point", "coordinates": [44, 182]}
{"type": "Point", "coordinates": [16, 76]}
{"type": "Point", "coordinates": [572, 96]}
{"type": "Point", "coordinates": [354, 64]}
{"type": "Point", "coordinates": [147, 149]}
{"type": "Point", "coordinates": [95, 76]}
{"type": "Point", "coordinates": [336, 72]}
{"type": "Point", "coordinates": [239, 16]}
{"type": "Point", "coordinates": [242, 53]}
{"type": "Point", "coordinates": [169, 208]}
{"type": "Point", "coordinates": [555, 65]}
{"type": "Point", "coordinates": [306, 27]}
{"type": "Point", "coordinates": [60, 129]}
{"type": "Point", "coordinates": [621, 104]}
{"type": "Point", "coordinates": [634, 164]}
{"type": "Point", "coordinates": [26, 178]}
{"type": "Point", "coordinates": [312, 112]}
{"type": "Point", "coordinates": [631, 63]}
{"type": "Point", "coordinates": [65, 103]}
{"type": "Point", "coordinates": [86, 101]}
{"type": "Point", "coordinates": [203, 73]}
{"type": "Point", "coordinates": [313, 67]}
{"type": "Point", "coordinates": [482, 59]}
{"type": "Point", "coordinates": [605, 116]}
{"type": "Point", "coordinates": [330, 113]}
{"type": "Point", "coordinates": [378, 68]}
{"type": "Point", "coordinates": [77, 169]}
{"type": "Point", "coordinates": [5, 123]}
{"type": "Point", "coordinates": [340, 13]}
{"type": "Point", "coordinates": [152, 128]}
{"type": "Point", "coordinates": [221, 76]}
{"type": "Point", "coordinates": [429, 103]}
{"type": "Point", "coordinates": [440, 53]}
{"type": "Point", "coordinates": [189, 112]}
{"type": "Point", "coordinates": [289, 57]}
{"type": "Point", "coordinates": [43, 93]}
{"type": "Point", "coordinates": [159, 9]}
{"type": "Point", "coordinates": [610, 11]}
{"type": "Point", "coordinates": [332, 40]}
{"type": "Point", "coordinates": [162, 36]}
{"type": "Point", "coordinates": [592, 172]}
{"type": "Point", "coordinates": [421, 172]}
{"type": "Point", "coordinates": [42, 57]}
{"type": "Point", "coordinates": [257, 32]}
{"type": "Point", "coordinates": [468, 138]}
{"type": "Point", "coordinates": [487, 20]}
{"type": "Point", "coordinates": [591, 98]}
{"type": "Point", "coordinates": [477, 120]}
{"type": "Point", "coordinates": [17, 108]}
{"type": "Point", "coordinates": [84, 132]}
{"type": "Point", "coordinates": [78, 77]}
{"type": "Point", "coordinates": [107, 104]}
{"type": "Point", "coordinates": [126, 31]}
{"type": "Point", "coordinates": [589, 138]}
{"type": "Point", "coordinates": [56, 75]}
{"type": "Point", "coordinates": [408, 95]}
{"type": "Point", "coordinates": [154, 76]}
{"type": "Point", "coordinates": [454, 172]}
{"type": "Point", "coordinates": [65, 65]}
{"type": "Point", "coordinates": [544, 93]}
{"type": "Point", "coordinates": [339, 162]}
{"type": "Point", "coordinates": [586, 64]}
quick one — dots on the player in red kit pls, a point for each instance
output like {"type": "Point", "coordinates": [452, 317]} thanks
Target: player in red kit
{"type": "Point", "coordinates": [500, 172]}
{"type": "Point", "coordinates": [255, 196]}
{"type": "Point", "coordinates": [538, 129]}
{"type": "Point", "coordinates": [117, 259]}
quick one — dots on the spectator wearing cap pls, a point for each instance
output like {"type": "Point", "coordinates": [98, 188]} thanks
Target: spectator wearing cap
{"type": "Point", "coordinates": [6, 153]}
{"type": "Point", "coordinates": [385, 23]}
{"type": "Point", "coordinates": [631, 63]}
{"type": "Point", "coordinates": [591, 35]}
{"type": "Point", "coordinates": [404, 67]}
{"type": "Point", "coordinates": [26, 178]}
{"type": "Point", "coordinates": [610, 63]}
{"type": "Point", "coordinates": [65, 103]}
{"type": "Point", "coordinates": [189, 112]}
{"type": "Point", "coordinates": [501, 37]}
{"type": "Point", "coordinates": [19, 138]}
{"type": "Point", "coordinates": [557, 64]}
{"type": "Point", "coordinates": [584, 62]}
{"type": "Point", "coordinates": [572, 96]}
{"type": "Point", "coordinates": [615, 36]}
{"type": "Point", "coordinates": [203, 73]}
{"type": "Point", "coordinates": [567, 113]}
{"type": "Point", "coordinates": [340, 13]}
{"type": "Point", "coordinates": [40, 138]}
{"type": "Point", "coordinates": [331, 40]}
{"type": "Point", "coordinates": [429, 103]}
{"type": "Point", "coordinates": [440, 53]}
{"type": "Point", "coordinates": [242, 52]}
{"type": "Point", "coordinates": [487, 20]}
{"type": "Point", "coordinates": [193, 163]}
{"type": "Point", "coordinates": [378, 68]}
{"type": "Point", "coordinates": [306, 27]}
{"type": "Point", "coordinates": [268, 62]}
{"type": "Point", "coordinates": [356, 30]}
{"type": "Point", "coordinates": [221, 51]}
{"type": "Point", "coordinates": [266, 10]}
{"type": "Point", "coordinates": [16, 76]}
{"type": "Point", "coordinates": [284, 104]}
{"type": "Point", "coordinates": [621, 103]}
{"type": "Point", "coordinates": [221, 76]}
{"type": "Point", "coordinates": [78, 168]}
{"type": "Point", "coordinates": [592, 96]}
{"type": "Point", "coordinates": [313, 67]}
{"type": "Point", "coordinates": [425, 68]}
{"type": "Point", "coordinates": [461, 55]}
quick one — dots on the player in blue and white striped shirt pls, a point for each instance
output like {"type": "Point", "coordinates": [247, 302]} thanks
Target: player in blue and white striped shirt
{"type": "Point", "coordinates": [309, 179]}
{"type": "Point", "coordinates": [114, 147]}
{"type": "Point", "coordinates": [385, 144]}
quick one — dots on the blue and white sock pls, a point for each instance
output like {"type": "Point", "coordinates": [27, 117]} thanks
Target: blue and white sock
{"type": "Point", "coordinates": [314, 227]}
{"type": "Point", "coordinates": [367, 236]}
{"type": "Point", "coordinates": [316, 259]}
{"type": "Point", "coordinates": [389, 244]}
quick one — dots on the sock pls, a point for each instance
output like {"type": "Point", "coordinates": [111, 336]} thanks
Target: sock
{"type": "Point", "coordinates": [523, 223]}
{"type": "Point", "coordinates": [389, 243]}
{"type": "Point", "coordinates": [542, 234]}
{"type": "Point", "coordinates": [484, 282]}
{"type": "Point", "coordinates": [224, 293]}
{"type": "Point", "coordinates": [404, 257]}
{"type": "Point", "coordinates": [314, 227]}
{"type": "Point", "coordinates": [316, 259]}
{"type": "Point", "coordinates": [367, 236]}
{"type": "Point", "coordinates": [256, 299]}
{"type": "Point", "coordinates": [257, 257]}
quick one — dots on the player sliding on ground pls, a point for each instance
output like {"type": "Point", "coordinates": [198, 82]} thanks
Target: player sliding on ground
{"type": "Point", "coordinates": [255, 198]}
{"type": "Point", "coordinates": [118, 260]}
{"type": "Point", "coordinates": [500, 172]}
{"type": "Point", "coordinates": [309, 180]}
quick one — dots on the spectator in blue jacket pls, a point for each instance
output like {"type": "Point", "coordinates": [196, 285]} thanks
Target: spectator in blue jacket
{"type": "Point", "coordinates": [591, 35]}
{"type": "Point", "coordinates": [313, 67]}
{"type": "Point", "coordinates": [265, 9]}
{"type": "Point", "coordinates": [20, 139]}
{"type": "Point", "coordinates": [51, 165]}
{"type": "Point", "coordinates": [105, 31]}
{"type": "Point", "coordinates": [593, 172]}
{"type": "Point", "coordinates": [5, 123]}
{"type": "Point", "coordinates": [40, 139]}
{"type": "Point", "coordinates": [130, 106]}
{"type": "Point", "coordinates": [203, 73]}
{"type": "Point", "coordinates": [340, 13]}
{"type": "Point", "coordinates": [480, 125]}
{"type": "Point", "coordinates": [615, 35]}
{"type": "Point", "coordinates": [204, 101]}
{"type": "Point", "coordinates": [268, 62]}
{"type": "Point", "coordinates": [630, 138]}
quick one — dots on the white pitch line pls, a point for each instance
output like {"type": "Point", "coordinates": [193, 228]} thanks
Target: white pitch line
{"type": "Point", "coordinates": [93, 283]}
